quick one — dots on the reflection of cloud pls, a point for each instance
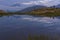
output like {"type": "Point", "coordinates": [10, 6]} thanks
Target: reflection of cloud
{"type": "Point", "coordinates": [37, 20]}
{"type": "Point", "coordinates": [41, 19]}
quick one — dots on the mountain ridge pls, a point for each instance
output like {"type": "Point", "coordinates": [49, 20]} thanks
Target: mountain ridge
{"type": "Point", "coordinates": [56, 6]}
{"type": "Point", "coordinates": [32, 8]}
{"type": "Point", "coordinates": [38, 7]}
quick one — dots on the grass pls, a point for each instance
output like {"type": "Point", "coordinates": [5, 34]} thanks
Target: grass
{"type": "Point", "coordinates": [51, 12]}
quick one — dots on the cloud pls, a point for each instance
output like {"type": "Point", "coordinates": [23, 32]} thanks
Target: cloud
{"type": "Point", "coordinates": [1, 0]}
{"type": "Point", "coordinates": [20, 4]}
{"type": "Point", "coordinates": [31, 3]}
{"type": "Point", "coordinates": [38, 2]}
{"type": "Point", "coordinates": [45, 1]}
{"type": "Point", "coordinates": [3, 7]}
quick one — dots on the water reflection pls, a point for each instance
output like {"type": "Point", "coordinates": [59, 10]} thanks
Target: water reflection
{"type": "Point", "coordinates": [16, 26]}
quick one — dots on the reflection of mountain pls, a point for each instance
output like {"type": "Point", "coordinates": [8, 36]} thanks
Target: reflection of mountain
{"type": "Point", "coordinates": [58, 17]}
{"type": "Point", "coordinates": [32, 8]}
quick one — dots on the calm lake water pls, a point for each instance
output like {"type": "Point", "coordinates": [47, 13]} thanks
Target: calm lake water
{"type": "Point", "coordinates": [18, 27]}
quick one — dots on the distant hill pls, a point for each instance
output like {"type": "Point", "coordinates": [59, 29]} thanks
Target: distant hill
{"type": "Point", "coordinates": [45, 12]}
{"type": "Point", "coordinates": [56, 6]}
{"type": "Point", "coordinates": [2, 11]}
{"type": "Point", "coordinates": [15, 5]}
{"type": "Point", "coordinates": [32, 8]}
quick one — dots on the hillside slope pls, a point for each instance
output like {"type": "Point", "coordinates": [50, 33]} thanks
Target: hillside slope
{"type": "Point", "coordinates": [32, 8]}
{"type": "Point", "coordinates": [45, 12]}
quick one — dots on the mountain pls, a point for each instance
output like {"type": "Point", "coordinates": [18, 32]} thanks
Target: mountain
{"type": "Point", "coordinates": [32, 8]}
{"type": "Point", "coordinates": [56, 6]}
{"type": "Point", "coordinates": [15, 5]}
{"type": "Point", "coordinates": [45, 11]}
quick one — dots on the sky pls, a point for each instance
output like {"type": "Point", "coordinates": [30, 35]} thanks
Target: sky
{"type": "Point", "coordinates": [8, 4]}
